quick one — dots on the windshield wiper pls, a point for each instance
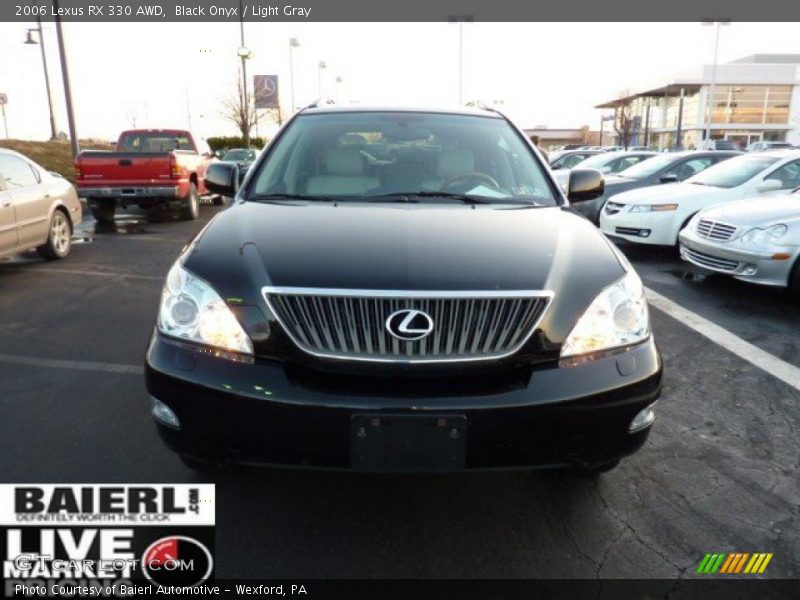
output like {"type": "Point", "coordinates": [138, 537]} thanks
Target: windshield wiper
{"type": "Point", "coordinates": [269, 197]}
{"type": "Point", "coordinates": [465, 198]}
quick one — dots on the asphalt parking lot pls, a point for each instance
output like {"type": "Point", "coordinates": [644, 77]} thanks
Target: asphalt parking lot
{"type": "Point", "coordinates": [720, 472]}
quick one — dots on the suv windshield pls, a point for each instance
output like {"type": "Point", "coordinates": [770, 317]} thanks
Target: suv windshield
{"type": "Point", "coordinates": [733, 172]}
{"type": "Point", "coordinates": [402, 156]}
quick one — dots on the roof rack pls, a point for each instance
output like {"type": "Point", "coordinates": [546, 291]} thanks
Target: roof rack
{"type": "Point", "coordinates": [319, 101]}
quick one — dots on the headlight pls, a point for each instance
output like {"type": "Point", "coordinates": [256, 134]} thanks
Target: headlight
{"type": "Point", "coordinates": [653, 207]}
{"type": "Point", "coordinates": [616, 317]}
{"type": "Point", "coordinates": [192, 310]}
{"type": "Point", "coordinates": [769, 235]}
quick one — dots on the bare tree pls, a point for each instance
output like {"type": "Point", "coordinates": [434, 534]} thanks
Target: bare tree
{"type": "Point", "coordinates": [243, 113]}
{"type": "Point", "coordinates": [624, 120]}
{"type": "Point", "coordinates": [239, 108]}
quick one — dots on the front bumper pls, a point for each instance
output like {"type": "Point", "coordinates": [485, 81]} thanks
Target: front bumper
{"type": "Point", "coordinates": [264, 412]}
{"type": "Point", "coordinates": [654, 228]}
{"type": "Point", "coordinates": [731, 258]}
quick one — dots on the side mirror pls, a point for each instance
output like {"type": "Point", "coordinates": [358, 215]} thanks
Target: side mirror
{"type": "Point", "coordinates": [56, 174]}
{"type": "Point", "coordinates": [222, 178]}
{"type": "Point", "coordinates": [605, 170]}
{"type": "Point", "coordinates": [769, 185]}
{"type": "Point", "coordinates": [555, 167]}
{"type": "Point", "coordinates": [585, 184]}
{"type": "Point", "coordinates": [668, 178]}
{"type": "Point", "coordinates": [219, 154]}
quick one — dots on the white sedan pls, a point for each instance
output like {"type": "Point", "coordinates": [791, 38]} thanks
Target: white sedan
{"type": "Point", "coordinates": [656, 214]}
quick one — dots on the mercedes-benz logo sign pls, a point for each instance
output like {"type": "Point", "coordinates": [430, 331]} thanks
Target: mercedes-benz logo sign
{"type": "Point", "coordinates": [409, 324]}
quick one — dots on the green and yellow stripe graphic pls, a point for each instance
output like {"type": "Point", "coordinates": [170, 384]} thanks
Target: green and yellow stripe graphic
{"type": "Point", "coordinates": [734, 562]}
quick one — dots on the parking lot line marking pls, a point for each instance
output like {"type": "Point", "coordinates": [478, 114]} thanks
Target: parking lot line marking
{"type": "Point", "coordinates": [94, 273]}
{"type": "Point", "coordinates": [762, 359]}
{"type": "Point", "coordinates": [75, 365]}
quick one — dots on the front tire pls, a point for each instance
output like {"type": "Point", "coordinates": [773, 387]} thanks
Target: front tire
{"type": "Point", "coordinates": [191, 209]}
{"type": "Point", "coordinates": [59, 240]}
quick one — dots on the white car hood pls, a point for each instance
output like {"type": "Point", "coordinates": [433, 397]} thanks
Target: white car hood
{"type": "Point", "coordinates": [757, 212]}
{"type": "Point", "coordinates": [668, 192]}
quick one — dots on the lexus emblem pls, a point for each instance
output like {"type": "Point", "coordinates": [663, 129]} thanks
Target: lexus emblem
{"type": "Point", "coordinates": [409, 324]}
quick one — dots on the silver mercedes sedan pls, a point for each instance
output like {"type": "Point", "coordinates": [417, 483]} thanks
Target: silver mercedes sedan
{"type": "Point", "coordinates": [756, 240]}
{"type": "Point", "coordinates": [38, 209]}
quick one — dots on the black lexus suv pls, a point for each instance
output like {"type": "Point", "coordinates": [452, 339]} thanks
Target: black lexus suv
{"type": "Point", "coordinates": [402, 290]}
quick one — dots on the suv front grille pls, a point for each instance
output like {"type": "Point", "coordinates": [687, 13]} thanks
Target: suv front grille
{"type": "Point", "coordinates": [352, 324]}
{"type": "Point", "coordinates": [714, 230]}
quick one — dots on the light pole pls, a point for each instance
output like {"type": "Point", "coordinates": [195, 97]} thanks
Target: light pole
{"type": "Point", "coordinates": [293, 43]}
{"type": "Point", "coordinates": [73, 133]}
{"type": "Point", "coordinates": [460, 20]}
{"type": "Point", "coordinates": [338, 82]}
{"type": "Point", "coordinates": [244, 53]}
{"type": "Point", "coordinates": [710, 100]}
{"type": "Point", "coordinates": [320, 68]}
{"type": "Point", "coordinates": [29, 40]}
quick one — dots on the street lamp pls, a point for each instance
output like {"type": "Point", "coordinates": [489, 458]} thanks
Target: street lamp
{"type": "Point", "coordinates": [244, 53]}
{"type": "Point", "coordinates": [460, 20]}
{"type": "Point", "coordinates": [62, 54]}
{"type": "Point", "coordinates": [709, 101]}
{"type": "Point", "coordinates": [321, 67]}
{"type": "Point", "coordinates": [293, 43]}
{"type": "Point", "coordinates": [29, 39]}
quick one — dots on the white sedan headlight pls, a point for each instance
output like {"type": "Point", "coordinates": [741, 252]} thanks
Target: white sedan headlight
{"type": "Point", "coordinates": [616, 317]}
{"type": "Point", "coordinates": [191, 310]}
{"type": "Point", "coordinates": [769, 235]}
{"type": "Point", "coordinates": [638, 208]}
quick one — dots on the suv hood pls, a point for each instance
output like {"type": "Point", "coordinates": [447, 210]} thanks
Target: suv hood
{"type": "Point", "coordinates": [665, 192]}
{"type": "Point", "coordinates": [757, 212]}
{"type": "Point", "coordinates": [406, 247]}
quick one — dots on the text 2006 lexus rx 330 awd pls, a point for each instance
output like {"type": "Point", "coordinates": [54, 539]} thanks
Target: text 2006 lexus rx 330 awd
{"type": "Point", "coordinates": [402, 290]}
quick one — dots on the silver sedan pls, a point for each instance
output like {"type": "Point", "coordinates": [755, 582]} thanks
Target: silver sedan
{"type": "Point", "coordinates": [38, 209]}
{"type": "Point", "coordinates": [756, 240]}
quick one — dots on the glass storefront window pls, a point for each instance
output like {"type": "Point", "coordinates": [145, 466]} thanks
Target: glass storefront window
{"type": "Point", "coordinates": [750, 104]}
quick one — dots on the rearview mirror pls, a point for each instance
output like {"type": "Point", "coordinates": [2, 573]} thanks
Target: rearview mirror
{"type": "Point", "coordinates": [769, 185]}
{"type": "Point", "coordinates": [222, 178]}
{"type": "Point", "coordinates": [668, 178]}
{"type": "Point", "coordinates": [585, 184]}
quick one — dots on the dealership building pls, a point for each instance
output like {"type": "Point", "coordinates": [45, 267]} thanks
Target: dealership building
{"type": "Point", "coordinates": [755, 98]}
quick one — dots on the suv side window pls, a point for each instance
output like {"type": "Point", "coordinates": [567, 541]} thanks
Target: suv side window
{"type": "Point", "coordinates": [788, 175]}
{"type": "Point", "coordinates": [691, 167]}
{"type": "Point", "coordinates": [16, 173]}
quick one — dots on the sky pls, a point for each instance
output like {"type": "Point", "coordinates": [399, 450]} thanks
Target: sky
{"type": "Point", "coordinates": [171, 74]}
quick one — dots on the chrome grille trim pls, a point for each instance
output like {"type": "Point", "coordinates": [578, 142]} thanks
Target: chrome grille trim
{"type": "Point", "coordinates": [710, 262]}
{"type": "Point", "coordinates": [714, 230]}
{"type": "Point", "coordinates": [349, 324]}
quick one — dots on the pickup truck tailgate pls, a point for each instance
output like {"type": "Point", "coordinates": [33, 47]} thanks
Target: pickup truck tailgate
{"type": "Point", "coordinates": [124, 168]}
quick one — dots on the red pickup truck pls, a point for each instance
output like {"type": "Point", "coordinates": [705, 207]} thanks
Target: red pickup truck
{"type": "Point", "coordinates": [154, 169]}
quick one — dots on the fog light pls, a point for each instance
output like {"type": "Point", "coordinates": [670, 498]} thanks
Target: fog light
{"type": "Point", "coordinates": [749, 270]}
{"type": "Point", "coordinates": [644, 233]}
{"type": "Point", "coordinates": [164, 414]}
{"type": "Point", "coordinates": [643, 420]}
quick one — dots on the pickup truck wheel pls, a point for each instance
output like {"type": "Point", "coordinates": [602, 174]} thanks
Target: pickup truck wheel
{"type": "Point", "coordinates": [191, 209]}
{"type": "Point", "coordinates": [60, 237]}
{"type": "Point", "coordinates": [103, 210]}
